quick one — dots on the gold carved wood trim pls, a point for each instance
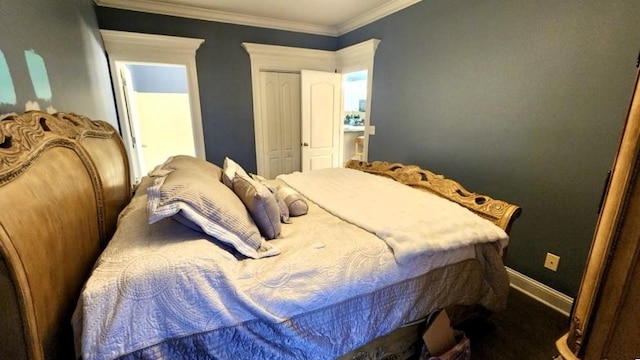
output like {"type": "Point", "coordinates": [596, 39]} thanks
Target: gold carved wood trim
{"type": "Point", "coordinates": [499, 212]}
{"type": "Point", "coordinates": [20, 138]}
{"type": "Point", "coordinates": [23, 298]}
{"type": "Point", "coordinates": [23, 138]}
{"type": "Point", "coordinates": [595, 297]}
{"type": "Point", "coordinates": [615, 248]}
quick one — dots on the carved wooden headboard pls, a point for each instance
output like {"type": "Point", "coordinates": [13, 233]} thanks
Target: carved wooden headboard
{"type": "Point", "coordinates": [63, 181]}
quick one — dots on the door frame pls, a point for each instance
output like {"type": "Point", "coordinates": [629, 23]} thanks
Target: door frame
{"type": "Point", "coordinates": [128, 47]}
{"type": "Point", "coordinates": [355, 58]}
{"type": "Point", "coordinates": [132, 126]}
{"type": "Point", "coordinates": [279, 59]}
{"type": "Point", "coordinates": [293, 59]}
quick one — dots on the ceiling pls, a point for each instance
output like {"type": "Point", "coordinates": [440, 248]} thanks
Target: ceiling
{"type": "Point", "coordinates": [324, 17]}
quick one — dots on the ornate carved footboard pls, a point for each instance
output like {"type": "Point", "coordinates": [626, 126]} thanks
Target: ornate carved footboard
{"type": "Point", "coordinates": [499, 212]}
{"type": "Point", "coordinates": [404, 342]}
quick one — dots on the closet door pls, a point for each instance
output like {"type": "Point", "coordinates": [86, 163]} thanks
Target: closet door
{"type": "Point", "coordinates": [281, 131]}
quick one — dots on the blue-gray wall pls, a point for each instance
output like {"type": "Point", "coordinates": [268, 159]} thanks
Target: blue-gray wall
{"type": "Point", "coordinates": [224, 73]}
{"type": "Point", "coordinates": [523, 100]}
{"type": "Point", "coordinates": [64, 35]}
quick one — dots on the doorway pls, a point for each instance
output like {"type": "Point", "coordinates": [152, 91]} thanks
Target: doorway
{"type": "Point", "coordinates": [157, 107]}
{"type": "Point", "coordinates": [290, 59]}
{"type": "Point", "coordinates": [153, 76]}
{"type": "Point", "coordinates": [302, 121]}
{"type": "Point", "coordinates": [354, 90]}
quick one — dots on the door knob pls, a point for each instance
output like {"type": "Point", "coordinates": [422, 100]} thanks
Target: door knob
{"type": "Point", "coordinates": [305, 144]}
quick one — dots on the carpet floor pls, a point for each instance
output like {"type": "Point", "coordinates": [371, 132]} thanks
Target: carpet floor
{"type": "Point", "coordinates": [526, 330]}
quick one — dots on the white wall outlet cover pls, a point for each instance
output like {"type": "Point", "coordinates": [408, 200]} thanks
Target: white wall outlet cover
{"type": "Point", "coordinates": [551, 262]}
{"type": "Point", "coordinates": [372, 129]}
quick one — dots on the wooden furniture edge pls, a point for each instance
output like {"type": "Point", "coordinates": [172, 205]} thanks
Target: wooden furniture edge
{"type": "Point", "coordinates": [613, 251]}
{"type": "Point", "coordinates": [500, 212]}
{"type": "Point", "coordinates": [563, 349]}
{"type": "Point", "coordinates": [24, 139]}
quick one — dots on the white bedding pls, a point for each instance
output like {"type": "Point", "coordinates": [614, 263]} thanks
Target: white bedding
{"type": "Point", "coordinates": [412, 222]}
{"type": "Point", "coordinates": [163, 289]}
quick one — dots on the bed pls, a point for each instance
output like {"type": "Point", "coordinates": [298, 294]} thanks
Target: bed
{"type": "Point", "coordinates": [65, 191]}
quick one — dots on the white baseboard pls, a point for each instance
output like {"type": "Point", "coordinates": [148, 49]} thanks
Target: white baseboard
{"type": "Point", "coordinates": [540, 292]}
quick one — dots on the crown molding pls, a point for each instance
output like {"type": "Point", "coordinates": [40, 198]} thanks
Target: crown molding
{"type": "Point", "coordinates": [256, 21]}
{"type": "Point", "coordinates": [150, 41]}
{"type": "Point", "coordinates": [287, 58]}
{"type": "Point", "coordinates": [353, 57]}
{"type": "Point", "coordinates": [138, 47]}
{"type": "Point", "coordinates": [215, 15]}
{"type": "Point", "coordinates": [374, 15]}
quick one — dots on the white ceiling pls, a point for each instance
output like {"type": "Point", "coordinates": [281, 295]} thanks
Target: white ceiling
{"type": "Point", "coordinates": [325, 17]}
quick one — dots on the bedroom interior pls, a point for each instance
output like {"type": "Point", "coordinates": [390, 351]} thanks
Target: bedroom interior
{"type": "Point", "coordinates": [524, 102]}
{"type": "Point", "coordinates": [324, 286]}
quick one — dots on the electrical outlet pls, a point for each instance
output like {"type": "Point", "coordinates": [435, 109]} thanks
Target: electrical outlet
{"type": "Point", "coordinates": [551, 262]}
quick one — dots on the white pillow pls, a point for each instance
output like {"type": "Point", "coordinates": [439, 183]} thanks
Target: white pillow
{"type": "Point", "coordinates": [230, 168]}
{"type": "Point", "coordinates": [210, 205]}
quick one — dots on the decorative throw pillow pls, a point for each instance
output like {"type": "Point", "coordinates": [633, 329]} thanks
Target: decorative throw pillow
{"type": "Point", "coordinates": [230, 169]}
{"type": "Point", "coordinates": [284, 209]}
{"type": "Point", "coordinates": [295, 202]}
{"type": "Point", "coordinates": [261, 203]}
{"type": "Point", "coordinates": [212, 206]}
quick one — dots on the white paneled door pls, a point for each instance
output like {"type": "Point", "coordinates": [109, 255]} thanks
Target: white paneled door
{"type": "Point", "coordinates": [321, 119]}
{"type": "Point", "coordinates": [281, 129]}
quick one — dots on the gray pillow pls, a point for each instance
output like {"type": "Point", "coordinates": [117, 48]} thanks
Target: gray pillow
{"type": "Point", "coordinates": [212, 206]}
{"type": "Point", "coordinates": [295, 202]}
{"type": "Point", "coordinates": [261, 203]}
{"type": "Point", "coordinates": [186, 162]}
{"type": "Point", "coordinates": [284, 209]}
